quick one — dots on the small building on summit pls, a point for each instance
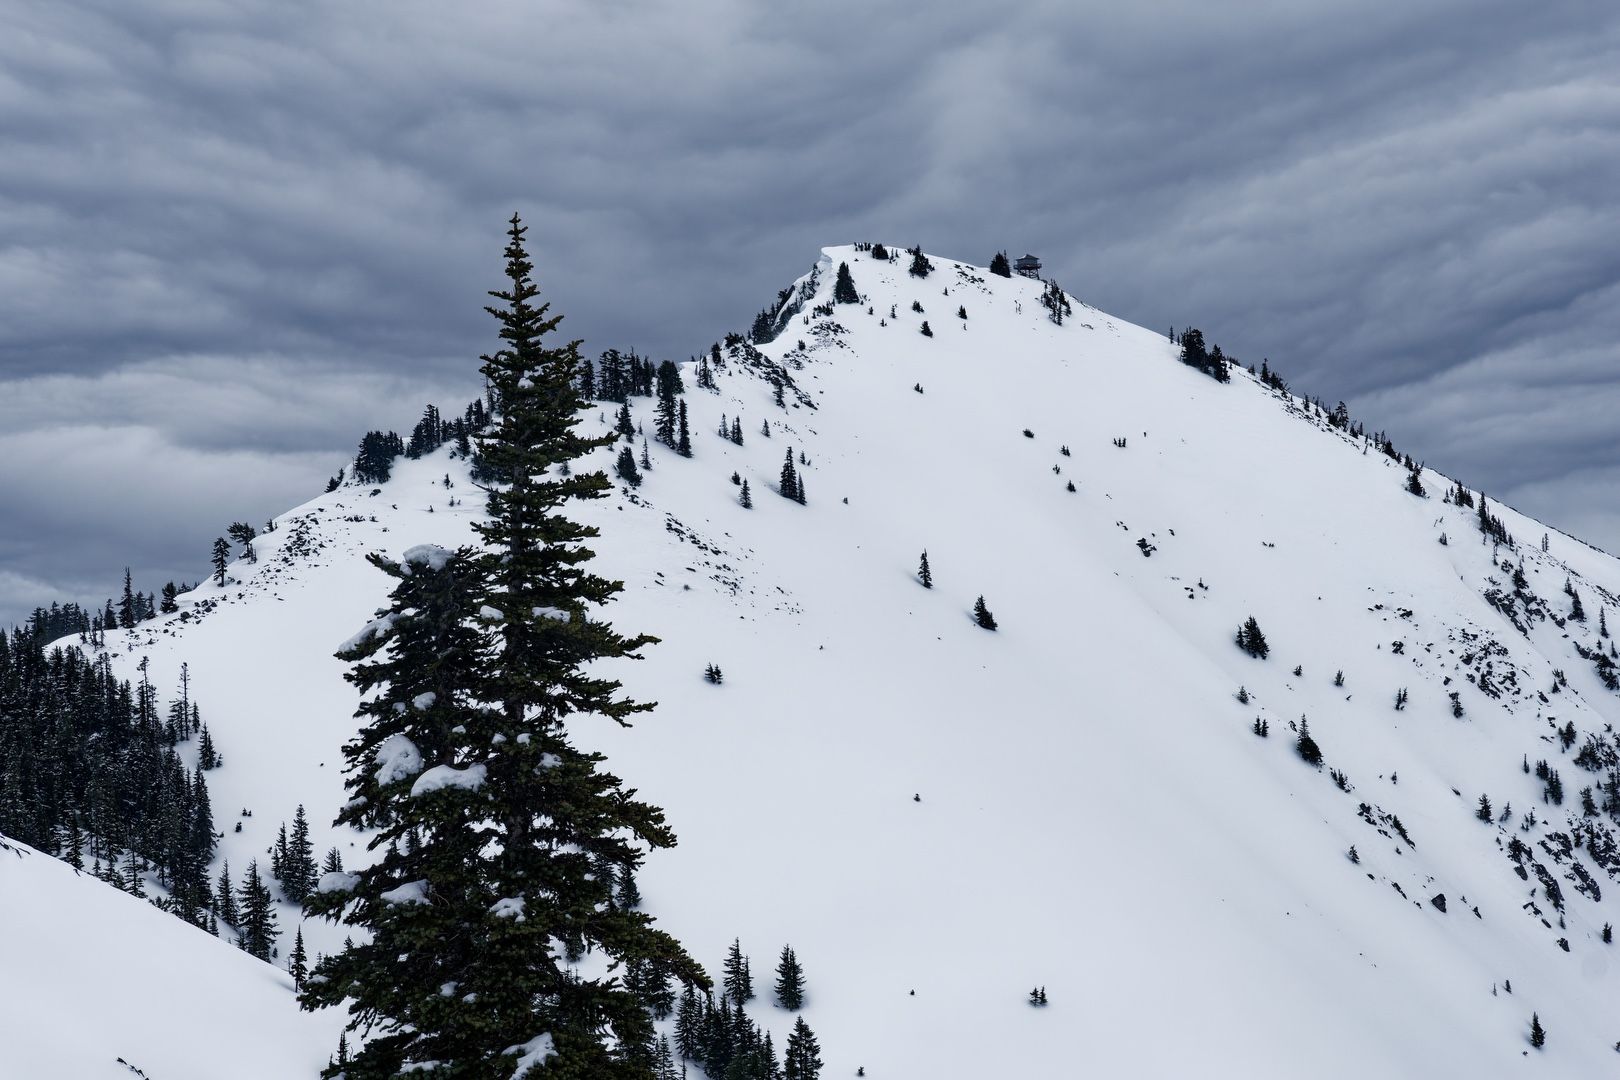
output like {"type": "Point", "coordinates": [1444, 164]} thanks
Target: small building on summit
{"type": "Point", "coordinates": [1028, 266]}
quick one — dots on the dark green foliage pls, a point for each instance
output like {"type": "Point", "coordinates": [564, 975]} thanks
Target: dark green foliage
{"type": "Point", "coordinates": [924, 574]}
{"type": "Point", "coordinates": [927, 331]}
{"type": "Point", "coordinates": [625, 467]}
{"type": "Point", "coordinates": [627, 892]}
{"type": "Point", "coordinates": [225, 897]}
{"type": "Point", "coordinates": [126, 606]}
{"type": "Point", "coordinates": [713, 675]}
{"type": "Point", "coordinates": [982, 616]}
{"type": "Point", "coordinates": [490, 812]}
{"type": "Point", "coordinates": [243, 534]}
{"type": "Point", "coordinates": [1261, 727]}
{"type": "Point", "coordinates": [745, 497]}
{"type": "Point", "coordinates": [89, 771]}
{"type": "Point", "coordinates": [1491, 525]}
{"type": "Point", "coordinates": [1306, 746]}
{"type": "Point", "coordinates": [803, 1058]}
{"type": "Point", "coordinates": [221, 558]}
{"type": "Point", "coordinates": [1414, 483]}
{"type": "Point", "coordinates": [844, 288]}
{"type": "Point", "coordinates": [298, 960]}
{"type": "Point", "coordinates": [1251, 640]}
{"type": "Point", "coordinates": [739, 981]}
{"type": "Point", "coordinates": [791, 485]}
{"type": "Point", "coordinates": [1195, 355]}
{"type": "Point", "coordinates": [920, 266]}
{"type": "Point", "coordinates": [207, 756]}
{"type": "Point", "coordinates": [168, 605]}
{"type": "Point", "coordinates": [1000, 266]}
{"type": "Point", "coordinates": [374, 462]}
{"type": "Point", "coordinates": [666, 414]}
{"type": "Point", "coordinates": [430, 433]}
{"type": "Point", "coordinates": [683, 433]}
{"type": "Point", "coordinates": [961, 311]}
{"type": "Point", "coordinates": [1056, 303]}
{"type": "Point", "coordinates": [880, 252]}
{"type": "Point", "coordinates": [789, 980]}
{"type": "Point", "coordinates": [1538, 1034]}
{"type": "Point", "coordinates": [292, 862]}
{"type": "Point", "coordinates": [622, 423]}
{"type": "Point", "coordinates": [257, 930]}
{"type": "Point", "coordinates": [1484, 812]}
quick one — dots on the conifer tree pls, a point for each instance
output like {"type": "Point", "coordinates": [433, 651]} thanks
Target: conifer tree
{"type": "Point", "coordinates": [126, 605]}
{"type": "Point", "coordinates": [333, 863]}
{"type": "Point", "coordinates": [508, 816]}
{"type": "Point", "coordinates": [1000, 266]}
{"type": "Point", "coordinates": [258, 926]}
{"type": "Point", "coordinates": [625, 466]}
{"type": "Point", "coordinates": [1306, 746]}
{"type": "Point", "coordinates": [920, 266]}
{"type": "Point", "coordinates": [745, 498]}
{"type": "Point", "coordinates": [221, 558]}
{"type": "Point", "coordinates": [683, 433]}
{"type": "Point", "coordinates": [844, 288]}
{"type": "Point", "coordinates": [225, 897]}
{"type": "Point", "coordinates": [803, 1058]}
{"type": "Point", "coordinates": [1538, 1034]}
{"type": "Point", "coordinates": [982, 616]}
{"type": "Point", "coordinates": [1251, 640]}
{"type": "Point", "coordinates": [207, 756]}
{"type": "Point", "coordinates": [298, 961]}
{"type": "Point", "coordinates": [789, 482]}
{"type": "Point", "coordinates": [738, 982]}
{"type": "Point", "coordinates": [168, 604]}
{"type": "Point", "coordinates": [924, 574]}
{"type": "Point", "coordinates": [789, 980]}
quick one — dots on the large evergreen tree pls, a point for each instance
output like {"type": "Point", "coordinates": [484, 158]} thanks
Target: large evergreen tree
{"type": "Point", "coordinates": [803, 1057]}
{"type": "Point", "coordinates": [789, 980]}
{"type": "Point", "coordinates": [498, 888]}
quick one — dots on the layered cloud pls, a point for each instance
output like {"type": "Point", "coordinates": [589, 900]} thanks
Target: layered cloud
{"type": "Point", "coordinates": [246, 232]}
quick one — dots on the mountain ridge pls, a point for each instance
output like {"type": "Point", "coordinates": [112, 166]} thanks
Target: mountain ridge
{"type": "Point", "coordinates": [1145, 856]}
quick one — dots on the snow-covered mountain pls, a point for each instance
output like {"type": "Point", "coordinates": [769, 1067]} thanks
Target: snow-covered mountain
{"type": "Point", "coordinates": [938, 817]}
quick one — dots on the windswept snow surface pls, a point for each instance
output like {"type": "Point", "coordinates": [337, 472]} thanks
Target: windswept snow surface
{"type": "Point", "coordinates": [939, 818]}
{"type": "Point", "coordinates": [89, 975]}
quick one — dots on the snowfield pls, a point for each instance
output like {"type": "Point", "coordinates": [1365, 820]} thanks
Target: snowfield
{"type": "Point", "coordinates": [936, 817]}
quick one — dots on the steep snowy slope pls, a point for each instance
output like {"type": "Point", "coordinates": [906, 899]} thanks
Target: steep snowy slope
{"type": "Point", "coordinates": [97, 985]}
{"type": "Point", "coordinates": [938, 817]}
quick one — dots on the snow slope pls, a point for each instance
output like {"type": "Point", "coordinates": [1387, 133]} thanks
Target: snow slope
{"type": "Point", "coordinates": [102, 986]}
{"type": "Point", "coordinates": [938, 817]}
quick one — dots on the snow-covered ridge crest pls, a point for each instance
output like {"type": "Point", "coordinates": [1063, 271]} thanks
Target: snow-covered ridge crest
{"type": "Point", "coordinates": [876, 776]}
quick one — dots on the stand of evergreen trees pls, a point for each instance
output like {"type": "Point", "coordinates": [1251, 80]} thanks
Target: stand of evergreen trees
{"type": "Point", "coordinates": [89, 773]}
{"type": "Point", "coordinates": [1211, 362]}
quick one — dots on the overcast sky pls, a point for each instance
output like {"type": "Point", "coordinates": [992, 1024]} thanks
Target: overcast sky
{"type": "Point", "coordinates": [234, 236]}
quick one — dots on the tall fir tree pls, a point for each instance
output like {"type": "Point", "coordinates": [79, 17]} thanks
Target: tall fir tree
{"type": "Point", "coordinates": [221, 558]}
{"type": "Point", "coordinates": [511, 816]}
{"type": "Point", "coordinates": [789, 980]}
{"type": "Point", "coordinates": [924, 574]}
{"type": "Point", "coordinates": [802, 1060]}
{"type": "Point", "coordinates": [258, 931]}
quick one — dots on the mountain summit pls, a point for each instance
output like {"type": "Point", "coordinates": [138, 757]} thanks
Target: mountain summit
{"type": "Point", "coordinates": [1264, 763]}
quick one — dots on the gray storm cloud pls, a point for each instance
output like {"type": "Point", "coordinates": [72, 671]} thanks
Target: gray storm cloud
{"type": "Point", "coordinates": [235, 236]}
